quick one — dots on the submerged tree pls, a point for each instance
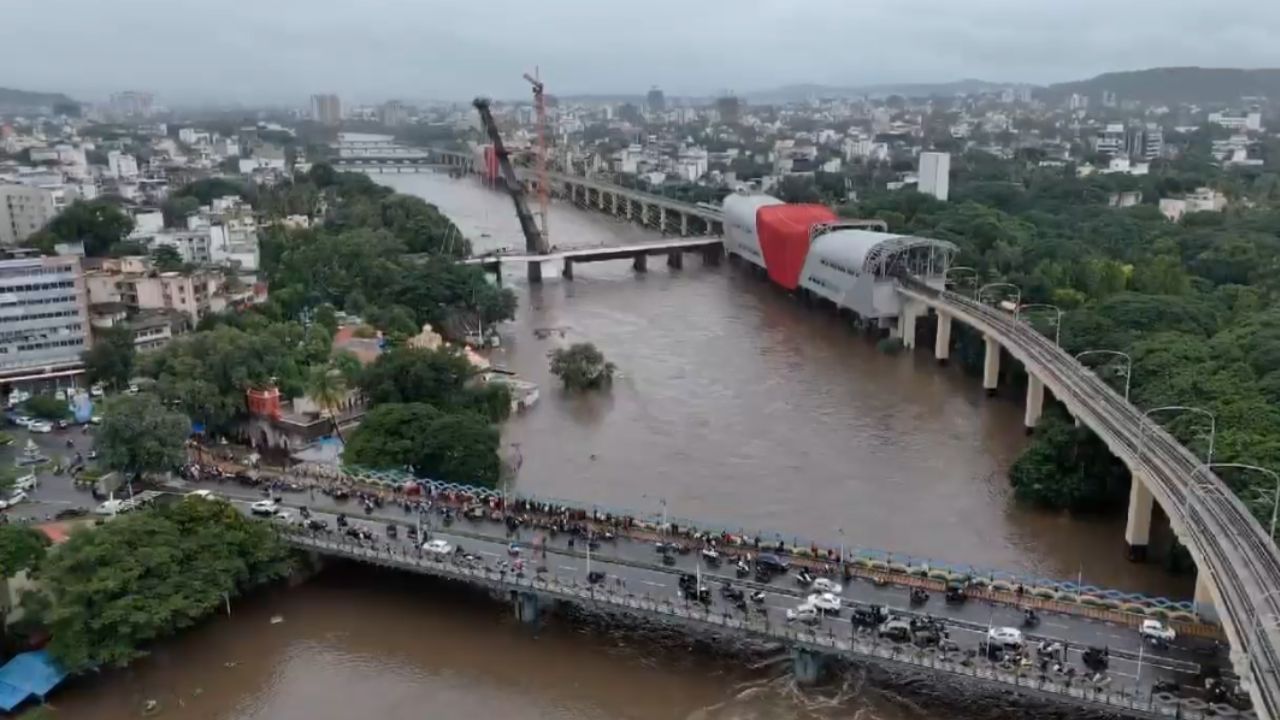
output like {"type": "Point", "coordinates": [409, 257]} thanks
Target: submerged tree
{"type": "Point", "coordinates": [581, 366]}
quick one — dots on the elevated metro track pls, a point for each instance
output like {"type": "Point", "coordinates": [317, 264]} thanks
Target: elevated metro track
{"type": "Point", "coordinates": [1230, 547]}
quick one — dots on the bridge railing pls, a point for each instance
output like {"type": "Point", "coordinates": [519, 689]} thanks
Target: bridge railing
{"type": "Point", "coordinates": [1230, 544]}
{"type": "Point", "coordinates": [865, 644]}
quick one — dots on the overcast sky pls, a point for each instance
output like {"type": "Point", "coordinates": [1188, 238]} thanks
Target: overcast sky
{"type": "Point", "coordinates": [369, 50]}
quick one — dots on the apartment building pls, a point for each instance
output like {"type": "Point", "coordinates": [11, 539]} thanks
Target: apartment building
{"type": "Point", "coordinates": [44, 320]}
{"type": "Point", "coordinates": [24, 210]}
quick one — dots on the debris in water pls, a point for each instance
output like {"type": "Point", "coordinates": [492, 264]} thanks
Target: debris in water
{"type": "Point", "coordinates": [150, 707]}
{"type": "Point", "coordinates": [277, 619]}
{"type": "Point", "coordinates": [229, 664]}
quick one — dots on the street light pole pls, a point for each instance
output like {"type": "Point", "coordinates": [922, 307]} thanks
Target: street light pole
{"type": "Point", "coordinates": [958, 268]}
{"type": "Point", "coordinates": [1017, 292]}
{"type": "Point", "coordinates": [1213, 426]}
{"type": "Point", "coordinates": [841, 531]}
{"type": "Point", "coordinates": [1128, 368]}
{"type": "Point", "coordinates": [1057, 323]}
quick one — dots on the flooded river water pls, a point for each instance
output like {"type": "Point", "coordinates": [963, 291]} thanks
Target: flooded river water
{"type": "Point", "coordinates": [734, 404]}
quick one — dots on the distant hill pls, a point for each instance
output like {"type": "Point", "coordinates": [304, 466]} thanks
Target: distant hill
{"type": "Point", "coordinates": [791, 93]}
{"type": "Point", "coordinates": [12, 100]}
{"type": "Point", "coordinates": [1171, 85]}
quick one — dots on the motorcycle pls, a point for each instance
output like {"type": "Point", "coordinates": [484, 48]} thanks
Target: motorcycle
{"type": "Point", "coordinates": [919, 597]}
{"type": "Point", "coordinates": [1030, 619]}
{"type": "Point", "coordinates": [804, 579]}
{"type": "Point", "coordinates": [757, 597]}
{"type": "Point", "coordinates": [742, 569]}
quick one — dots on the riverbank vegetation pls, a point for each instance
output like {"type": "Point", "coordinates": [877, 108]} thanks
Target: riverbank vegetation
{"type": "Point", "coordinates": [109, 592]}
{"type": "Point", "coordinates": [581, 366]}
{"type": "Point", "coordinates": [1193, 301]}
{"type": "Point", "coordinates": [355, 246]}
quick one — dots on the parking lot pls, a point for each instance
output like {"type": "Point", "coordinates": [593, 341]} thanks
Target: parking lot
{"type": "Point", "coordinates": [53, 492]}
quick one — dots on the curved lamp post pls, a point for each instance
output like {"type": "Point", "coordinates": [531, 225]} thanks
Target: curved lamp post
{"type": "Point", "coordinates": [1128, 366]}
{"type": "Point", "coordinates": [1057, 321]}
{"type": "Point", "coordinates": [946, 274]}
{"type": "Point", "coordinates": [1213, 426]}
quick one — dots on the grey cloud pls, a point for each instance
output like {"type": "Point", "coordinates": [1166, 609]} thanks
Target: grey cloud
{"type": "Point", "coordinates": [366, 50]}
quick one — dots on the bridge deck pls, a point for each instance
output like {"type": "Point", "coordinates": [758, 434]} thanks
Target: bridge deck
{"type": "Point", "coordinates": [600, 253]}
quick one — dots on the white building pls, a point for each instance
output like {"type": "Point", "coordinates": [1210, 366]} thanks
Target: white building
{"type": "Point", "coordinates": [1202, 200]}
{"type": "Point", "coordinates": [122, 166]}
{"type": "Point", "coordinates": [44, 319]}
{"type": "Point", "coordinates": [24, 210]}
{"type": "Point", "coordinates": [935, 174]}
{"type": "Point", "coordinates": [1110, 140]}
{"type": "Point", "coordinates": [192, 136]}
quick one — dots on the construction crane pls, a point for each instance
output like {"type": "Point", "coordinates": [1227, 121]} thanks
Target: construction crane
{"type": "Point", "coordinates": [544, 184]}
{"type": "Point", "coordinates": [535, 242]}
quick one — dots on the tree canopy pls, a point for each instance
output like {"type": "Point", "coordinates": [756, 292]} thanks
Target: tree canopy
{"type": "Point", "coordinates": [140, 435]}
{"type": "Point", "coordinates": [21, 548]}
{"type": "Point", "coordinates": [110, 360]}
{"type": "Point", "coordinates": [459, 447]}
{"type": "Point", "coordinates": [581, 366]}
{"type": "Point", "coordinates": [99, 223]}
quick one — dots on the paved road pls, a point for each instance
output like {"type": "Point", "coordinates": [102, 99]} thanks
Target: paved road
{"type": "Point", "coordinates": [637, 566]}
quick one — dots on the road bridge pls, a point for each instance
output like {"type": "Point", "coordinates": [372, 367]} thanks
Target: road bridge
{"type": "Point", "coordinates": [675, 250]}
{"type": "Point", "coordinates": [1239, 567]}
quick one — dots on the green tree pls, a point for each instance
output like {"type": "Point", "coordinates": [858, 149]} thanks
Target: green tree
{"type": "Point", "coordinates": [99, 223]}
{"type": "Point", "coordinates": [1068, 468]}
{"type": "Point", "coordinates": [460, 447]}
{"type": "Point", "coordinates": [166, 258]}
{"type": "Point", "coordinates": [140, 435]}
{"type": "Point", "coordinates": [47, 407]}
{"type": "Point", "coordinates": [581, 366]}
{"type": "Point", "coordinates": [21, 548]}
{"type": "Point", "coordinates": [327, 388]}
{"type": "Point", "coordinates": [120, 587]}
{"type": "Point", "coordinates": [110, 360]}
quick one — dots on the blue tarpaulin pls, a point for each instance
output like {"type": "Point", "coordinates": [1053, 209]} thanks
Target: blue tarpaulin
{"type": "Point", "coordinates": [31, 673]}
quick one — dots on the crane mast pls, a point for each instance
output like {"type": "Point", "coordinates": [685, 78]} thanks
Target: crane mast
{"type": "Point", "coordinates": [544, 183]}
{"type": "Point", "coordinates": [535, 241]}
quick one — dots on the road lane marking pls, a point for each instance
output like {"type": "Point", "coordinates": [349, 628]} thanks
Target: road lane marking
{"type": "Point", "coordinates": [654, 584]}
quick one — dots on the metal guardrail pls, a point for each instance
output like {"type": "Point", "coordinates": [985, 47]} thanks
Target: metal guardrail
{"type": "Point", "coordinates": [859, 646]}
{"type": "Point", "coordinates": [1228, 543]}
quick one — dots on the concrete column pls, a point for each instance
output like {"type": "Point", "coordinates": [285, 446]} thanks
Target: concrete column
{"type": "Point", "coordinates": [907, 326]}
{"type": "Point", "coordinates": [684, 225]}
{"type": "Point", "coordinates": [1203, 600]}
{"type": "Point", "coordinates": [567, 273]}
{"type": "Point", "coordinates": [526, 607]}
{"type": "Point", "coordinates": [1035, 401]}
{"type": "Point", "coordinates": [675, 259]}
{"type": "Point", "coordinates": [615, 203]}
{"type": "Point", "coordinates": [535, 272]}
{"type": "Point", "coordinates": [991, 366]}
{"type": "Point", "coordinates": [629, 208]}
{"type": "Point", "coordinates": [662, 219]}
{"type": "Point", "coordinates": [1137, 531]}
{"type": "Point", "coordinates": [942, 342]}
{"type": "Point", "coordinates": [600, 199]}
{"type": "Point", "coordinates": [641, 263]}
{"type": "Point", "coordinates": [807, 666]}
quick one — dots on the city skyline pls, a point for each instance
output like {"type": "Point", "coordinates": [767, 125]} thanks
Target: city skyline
{"type": "Point", "coordinates": [286, 51]}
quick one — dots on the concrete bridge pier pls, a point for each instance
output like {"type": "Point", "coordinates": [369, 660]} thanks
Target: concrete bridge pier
{"type": "Point", "coordinates": [615, 203]}
{"type": "Point", "coordinates": [991, 366]}
{"type": "Point", "coordinates": [1035, 402]}
{"type": "Point", "coordinates": [641, 263]}
{"type": "Point", "coordinates": [629, 204]}
{"type": "Point", "coordinates": [942, 342]}
{"type": "Point", "coordinates": [907, 323]}
{"type": "Point", "coordinates": [567, 273]}
{"type": "Point", "coordinates": [527, 606]}
{"type": "Point", "coordinates": [1203, 599]}
{"type": "Point", "coordinates": [535, 272]}
{"type": "Point", "coordinates": [1137, 529]}
{"type": "Point", "coordinates": [711, 255]}
{"type": "Point", "coordinates": [662, 219]}
{"type": "Point", "coordinates": [600, 199]}
{"type": "Point", "coordinates": [684, 225]}
{"type": "Point", "coordinates": [675, 259]}
{"type": "Point", "coordinates": [807, 666]}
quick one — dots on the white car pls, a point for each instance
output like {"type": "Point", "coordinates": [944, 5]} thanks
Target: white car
{"type": "Point", "coordinates": [40, 426]}
{"type": "Point", "coordinates": [23, 421]}
{"type": "Point", "coordinates": [1006, 636]}
{"type": "Point", "coordinates": [201, 494]}
{"type": "Point", "coordinates": [437, 547]}
{"type": "Point", "coordinates": [96, 391]}
{"type": "Point", "coordinates": [60, 394]}
{"type": "Point", "coordinates": [826, 602]}
{"type": "Point", "coordinates": [111, 507]}
{"type": "Point", "coordinates": [804, 612]}
{"type": "Point", "coordinates": [264, 507]}
{"type": "Point", "coordinates": [1156, 630]}
{"type": "Point", "coordinates": [825, 585]}
{"type": "Point", "coordinates": [285, 515]}
{"type": "Point", "coordinates": [26, 482]}
{"type": "Point", "coordinates": [14, 499]}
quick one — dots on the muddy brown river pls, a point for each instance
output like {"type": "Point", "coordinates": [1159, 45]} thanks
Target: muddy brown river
{"type": "Point", "coordinates": [734, 404]}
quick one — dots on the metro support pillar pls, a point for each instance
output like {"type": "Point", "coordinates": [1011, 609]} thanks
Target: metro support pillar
{"type": "Point", "coordinates": [991, 366]}
{"type": "Point", "coordinates": [1137, 529]}
{"type": "Point", "coordinates": [942, 342]}
{"type": "Point", "coordinates": [1203, 599]}
{"type": "Point", "coordinates": [675, 259]}
{"type": "Point", "coordinates": [1035, 401]}
{"type": "Point", "coordinates": [615, 203]}
{"type": "Point", "coordinates": [527, 606]}
{"type": "Point", "coordinates": [567, 273]}
{"type": "Point", "coordinates": [662, 219]}
{"type": "Point", "coordinates": [684, 225]}
{"type": "Point", "coordinates": [535, 272]}
{"type": "Point", "coordinates": [640, 263]}
{"type": "Point", "coordinates": [807, 666]}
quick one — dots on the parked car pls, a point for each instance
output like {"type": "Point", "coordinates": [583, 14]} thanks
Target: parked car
{"type": "Point", "coordinates": [96, 391]}
{"type": "Point", "coordinates": [111, 507]}
{"type": "Point", "coordinates": [14, 499]}
{"type": "Point", "coordinates": [70, 513]}
{"type": "Point", "coordinates": [805, 613]}
{"type": "Point", "coordinates": [437, 547]}
{"type": "Point", "coordinates": [264, 507]}
{"type": "Point", "coordinates": [22, 420]}
{"type": "Point", "coordinates": [201, 494]}
{"type": "Point", "coordinates": [826, 602]}
{"type": "Point", "coordinates": [895, 629]}
{"type": "Point", "coordinates": [285, 515]}
{"type": "Point", "coordinates": [26, 483]}
{"type": "Point", "coordinates": [40, 426]}
{"type": "Point", "coordinates": [1009, 637]}
{"type": "Point", "coordinates": [1158, 631]}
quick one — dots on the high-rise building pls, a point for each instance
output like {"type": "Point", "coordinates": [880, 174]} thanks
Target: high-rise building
{"type": "Point", "coordinates": [935, 174]}
{"type": "Point", "coordinates": [393, 113]}
{"type": "Point", "coordinates": [656, 101]}
{"type": "Point", "coordinates": [730, 109]}
{"type": "Point", "coordinates": [24, 209]}
{"type": "Point", "coordinates": [131, 103]}
{"type": "Point", "coordinates": [326, 109]}
{"type": "Point", "coordinates": [1145, 141]}
{"type": "Point", "coordinates": [44, 316]}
